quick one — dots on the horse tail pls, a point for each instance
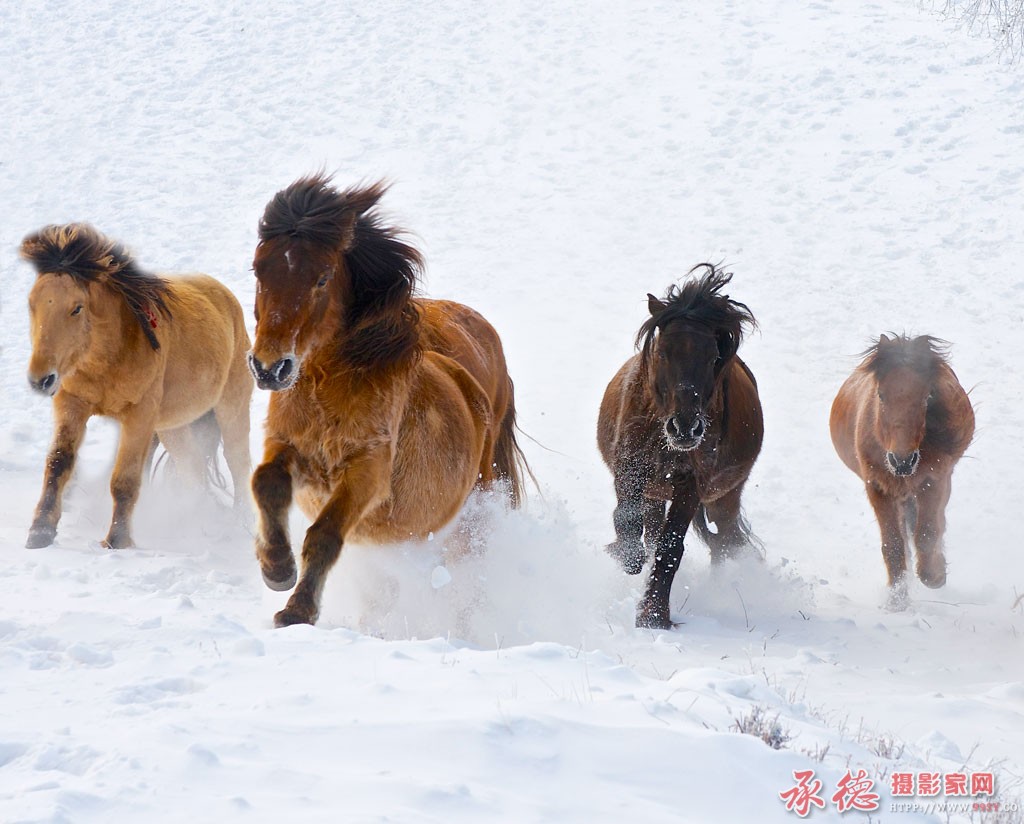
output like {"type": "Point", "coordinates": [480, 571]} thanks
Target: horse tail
{"type": "Point", "coordinates": [509, 460]}
{"type": "Point", "coordinates": [208, 437]}
{"type": "Point", "coordinates": [747, 535]}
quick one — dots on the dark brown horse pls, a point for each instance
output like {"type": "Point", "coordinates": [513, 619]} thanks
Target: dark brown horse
{"type": "Point", "coordinates": [681, 423]}
{"type": "Point", "coordinates": [157, 353]}
{"type": "Point", "coordinates": [387, 409]}
{"type": "Point", "coordinates": [901, 421]}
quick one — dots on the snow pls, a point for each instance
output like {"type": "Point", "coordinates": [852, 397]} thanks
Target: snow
{"type": "Point", "coordinates": [858, 166]}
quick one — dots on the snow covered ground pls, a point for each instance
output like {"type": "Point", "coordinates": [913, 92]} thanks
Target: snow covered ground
{"type": "Point", "coordinates": [858, 165]}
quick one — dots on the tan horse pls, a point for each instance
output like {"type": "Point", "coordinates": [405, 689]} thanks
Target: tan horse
{"type": "Point", "coordinates": [155, 353]}
{"type": "Point", "coordinates": [901, 421]}
{"type": "Point", "coordinates": [680, 428]}
{"type": "Point", "coordinates": [387, 410]}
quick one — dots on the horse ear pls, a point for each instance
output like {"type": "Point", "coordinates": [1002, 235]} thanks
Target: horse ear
{"type": "Point", "coordinates": [348, 230]}
{"type": "Point", "coordinates": [883, 339]}
{"type": "Point", "coordinates": [654, 306]}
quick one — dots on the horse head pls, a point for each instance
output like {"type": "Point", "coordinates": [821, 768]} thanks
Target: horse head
{"type": "Point", "coordinates": [86, 282]}
{"type": "Point", "coordinates": [325, 270]}
{"type": "Point", "coordinates": [904, 370]}
{"type": "Point", "coordinates": [686, 343]}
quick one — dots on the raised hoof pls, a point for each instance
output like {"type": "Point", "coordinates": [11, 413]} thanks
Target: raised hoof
{"type": "Point", "coordinates": [38, 538]}
{"type": "Point", "coordinates": [289, 617]}
{"type": "Point", "coordinates": [283, 585]}
{"type": "Point", "coordinates": [631, 557]}
{"type": "Point", "coordinates": [932, 575]}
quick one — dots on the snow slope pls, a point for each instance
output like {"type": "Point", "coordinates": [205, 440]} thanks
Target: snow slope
{"type": "Point", "coordinates": [858, 166]}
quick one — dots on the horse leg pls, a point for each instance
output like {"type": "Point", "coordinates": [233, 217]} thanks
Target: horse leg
{"type": "Point", "coordinates": [653, 609]}
{"type": "Point", "coordinates": [184, 450]}
{"type": "Point", "coordinates": [365, 483]}
{"type": "Point", "coordinates": [272, 491]}
{"type": "Point", "coordinates": [894, 551]}
{"type": "Point", "coordinates": [654, 522]}
{"type": "Point", "coordinates": [71, 416]}
{"type": "Point", "coordinates": [628, 519]}
{"type": "Point", "coordinates": [136, 436]}
{"type": "Point", "coordinates": [233, 420]}
{"type": "Point", "coordinates": [931, 526]}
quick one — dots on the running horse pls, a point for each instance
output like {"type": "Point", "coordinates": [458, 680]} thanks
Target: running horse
{"type": "Point", "coordinates": [901, 422]}
{"type": "Point", "coordinates": [387, 409]}
{"type": "Point", "coordinates": [156, 353]}
{"type": "Point", "coordinates": [680, 427]}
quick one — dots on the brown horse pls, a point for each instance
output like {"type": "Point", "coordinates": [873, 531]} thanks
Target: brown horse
{"type": "Point", "coordinates": [681, 422]}
{"type": "Point", "coordinates": [387, 409]}
{"type": "Point", "coordinates": [157, 354]}
{"type": "Point", "coordinates": [901, 421]}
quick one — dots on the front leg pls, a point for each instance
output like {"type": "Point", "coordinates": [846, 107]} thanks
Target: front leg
{"type": "Point", "coordinates": [653, 609]}
{"type": "Point", "coordinates": [932, 498]}
{"type": "Point", "coordinates": [628, 517]}
{"type": "Point", "coordinates": [365, 483]}
{"type": "Point", "coordinates": [70, 417]}
{"type": "Point", "coordinates": [894, 551]}
{"type": "Point", "coordinates": [136, 437]}
{"type": "Point", "coordinates": [272, 491]}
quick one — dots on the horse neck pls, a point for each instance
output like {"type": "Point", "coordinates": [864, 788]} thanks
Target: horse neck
{"type": "Point", "coordinates": [116, 337]}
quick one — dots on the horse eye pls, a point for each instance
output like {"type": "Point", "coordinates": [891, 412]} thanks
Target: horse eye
{"type": "Point", "coordinates": [76, 310]}
{"type": "Point", "coordinates": [323, 279]}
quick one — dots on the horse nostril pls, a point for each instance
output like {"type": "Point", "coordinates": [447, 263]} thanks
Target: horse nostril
{"type": "Point", "coordinates": [283, 369]}
{"type": "Point", "coordinates": [697, 430]}
{"type": "Point", "coordinates": [48, 381]}
{"type": "Point", "coordinates": [672, 427]}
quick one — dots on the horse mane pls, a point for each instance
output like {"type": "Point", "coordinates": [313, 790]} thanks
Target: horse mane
{"type": "Point", "coordinates": [924, 355]}
{"type": "Point", "coordinates": [382, 323]}
{"type": "Point", "coordinates": [699, 301]}
{"type": "Point", "coordinates": [88, 256]}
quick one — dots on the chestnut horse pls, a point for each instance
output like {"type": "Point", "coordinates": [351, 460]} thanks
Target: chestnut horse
{"type": "Point", "coordinates": [158, 354]}
{"type": "Point", "coordinates": [681, 423]}
{"type": "Point", "coordinates": [901, 421]}
{"type": "Point", "coordinates": [387, 410]}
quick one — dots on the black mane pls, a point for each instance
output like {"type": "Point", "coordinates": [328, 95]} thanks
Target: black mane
{"type": "Point", "coordinates": [382, 321]}
{"type": "Point", "coordinates": [924, 355]}
{"type": "Point", "coordinates": [79, 250]}
{"type": "Point", "coordinates": [699, 301]}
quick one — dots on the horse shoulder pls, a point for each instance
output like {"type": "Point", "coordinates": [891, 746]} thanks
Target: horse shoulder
{"type": "Point", "coordinates": [850, 421]}
{"type": "Point", "coordinates": [959, 418]}
{"type": "Point", "coordinates": [624, 414]}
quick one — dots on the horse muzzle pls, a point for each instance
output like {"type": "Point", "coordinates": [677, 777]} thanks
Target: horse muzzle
{"type": "Point", "coordinates": [46, 385]}
{"type": "Point", "coordinates": [684, 436]}
{"type": "Point", "coordinates": [902, 466]}
{"type": "Point", "coordinates": [279, 375]}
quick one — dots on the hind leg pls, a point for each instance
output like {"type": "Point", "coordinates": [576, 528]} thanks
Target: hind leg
{"type": "Point", "coordinates": [185, 452]}
{"type": "Point", "coordinates": [731, 536]}
{"type": "Point", "coordinates": [233, 419]}
{"type": "Point", "coordinates": [929, 529]}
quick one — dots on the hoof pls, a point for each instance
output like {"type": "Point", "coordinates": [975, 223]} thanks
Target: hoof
{"type": "Point", "coordinates": [631, 557]}
{"type": "Point", "coordinates": [289, 617]}
{"type": "Point", "coordinates": [933, 575]}
{"type": "Point", "coordinates": [284, 584]}
{"type": "Point", "coordinates": [653, 618]}
{"type": "Point", "coordinates": [898, 599]}
{"type": "Point", "coordinates": [38, 538]}
{"type": "Point", "coordinates": [117, 542]}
